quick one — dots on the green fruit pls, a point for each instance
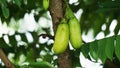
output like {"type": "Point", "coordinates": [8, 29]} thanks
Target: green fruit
{"type": "Point", "coordinates": [45, 4]}
{"type": "Point", "coordinates": [61, 38]}
{"type": "Point", "coordinates": [75, 33]}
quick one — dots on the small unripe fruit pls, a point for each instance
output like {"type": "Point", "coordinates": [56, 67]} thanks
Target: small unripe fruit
{"type": "Point", "coordinates": [61, 38]}
{"type": "Point", "coordinates": [75, 33]}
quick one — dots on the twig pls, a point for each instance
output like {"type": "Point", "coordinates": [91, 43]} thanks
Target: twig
{"type": "Point", "coordinates": [5, 60]}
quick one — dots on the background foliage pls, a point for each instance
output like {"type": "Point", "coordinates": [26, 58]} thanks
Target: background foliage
{"type": "Point", "coordinates": [96, 13]}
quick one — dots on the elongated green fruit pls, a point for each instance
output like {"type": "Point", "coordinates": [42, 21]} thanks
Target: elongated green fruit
{"type": "Point", "coordinates": [75, 33]}
{"type": "Point", "coordinates": [45, 4]}
{"type": "Point", "coordinates": [61, 38]}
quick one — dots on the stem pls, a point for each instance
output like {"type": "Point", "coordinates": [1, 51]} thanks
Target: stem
{"type": "Point", "coordinates": [5, 60]}
{"type": "Point", "coordinates": [57, 12]}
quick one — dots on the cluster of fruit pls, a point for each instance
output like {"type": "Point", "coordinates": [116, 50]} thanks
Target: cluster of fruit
{"type": "Point", "coordinates": [68, 29]}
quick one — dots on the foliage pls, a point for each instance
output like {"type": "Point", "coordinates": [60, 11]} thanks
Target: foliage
{"type": "Point", "coordinates": [96, 13]}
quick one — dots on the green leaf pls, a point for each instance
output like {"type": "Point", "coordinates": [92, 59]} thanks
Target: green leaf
{"type": "Point", "coordinates": [98, 22]}
{"type": "Point", "coordinates": [89, 2]}
{"type": "Point", "coordinates": [24, 38]}
{"type": "Point", "coordinates": [18, 2]}
{"type": "Point", "coordinates": [35, 36]}
{"type": "Point", "coordinates": [85, 50]}
{"type": "Point", "coordinates": [94, 50]}
{"type": "Point", "coordinates": [3, 2]}
{"type": "Point", "coordinates": [101, 49]}
{"type": "Point", "coordinates": [117, 47]}
{"type": "Point", "coordinates": [109, 48]}
{"type": "Point", "coordinates": [110, 4]}
{"type": "Point", "coordinates": [30, 55]}
{"type": "Point", "coordinates": [109, 19]}
{"type": "Point", "coordinates": [5, 11]}
{"type": "Point", "coordinates": [47, 57]}
{"type": "Point", "coordinates": [100, 10]}
{"type": "Point", "coordinates": [13, 41]}
{"type": "Point", "coordinates": [75, 58]}
{"type": "Point", "coordinates": [3, 43]}
{"type": "Point", "coordinates": [42, 64]}
{"type": "Point", "coordinates": [75, 62]}
{"type": "Point", "coordinates": [118, 26]}
{"type": "Point", "coordinates": [23, 66]}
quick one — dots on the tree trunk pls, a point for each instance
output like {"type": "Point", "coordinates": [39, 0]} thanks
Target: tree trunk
{"type": "Point", "coordinates": [57, 12]}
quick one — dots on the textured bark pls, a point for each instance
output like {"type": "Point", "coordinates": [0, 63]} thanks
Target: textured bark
{"type": "Point", "coordinates": [6, 61]}
{"type": "Point", "coordinates": [57, 12]}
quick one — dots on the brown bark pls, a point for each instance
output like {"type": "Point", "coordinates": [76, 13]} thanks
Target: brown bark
{"type": "Point", "coordinates": [57, 12]}
{"type": "Point", "coordinates": [5, 59]}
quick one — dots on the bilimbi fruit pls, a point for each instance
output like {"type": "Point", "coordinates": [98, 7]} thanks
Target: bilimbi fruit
{"type": "Point", "coordinates": [75, 33]}
{"type": "Point", "coordinates": [61, 38]}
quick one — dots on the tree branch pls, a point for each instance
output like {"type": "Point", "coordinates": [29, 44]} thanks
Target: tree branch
{"type": "Point", "coordinates": [5, 60]}
{"type": "Point", "coordinates": [57, 12]}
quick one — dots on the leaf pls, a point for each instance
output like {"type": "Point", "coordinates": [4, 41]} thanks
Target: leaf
{"type": "Point", "coordinates": [75, 62]}
{"type": "Point", "coordinates": [13, 41]}
{"type": "Point", "coordinates": [30, 55]}
{"type": "Point", "coordinates": [24, 38]}
{"type": "Point", "coordinates": [117, 47]}
{"type": "Point", "coordinates": [108, 22]}
{"type": "Point", "coordinates": [100, 10]}
{"type": "Point", "coordinates": [18, 2]}
{"type": "Point", "coordinates": [3, 43]}
{"type": "Point", "coordinates": [34, 35]}
{"type": "Point", "coordinates": [47, 57]}
{"type": "Point", "coordinates": [94, 50]}
{"type": "Point", "coordinates": [117, 27]}
{"type": "Point", "coordinates": [98, 22]}
{"type": "Point", "coordinates": [75, 58]}
{"type": "Point", "coordinates": [23, 66]}
{"type": "Point", "coordinates": [109, 48]}
{"type": "Point", "coordinates": [42, 64]}
{"type": "Point", "coordinates": [110, 4]}
{"type": "Point", "coordinates": [101, 50]}
{"type": "Point", "coordinates": [3, 2]}
{"type": "Point", "coordinates": [5, 11]}
{"type": "Point", "coordinates": [89, 2]}
{"type": "Point", "coordinates": [85, 50]}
